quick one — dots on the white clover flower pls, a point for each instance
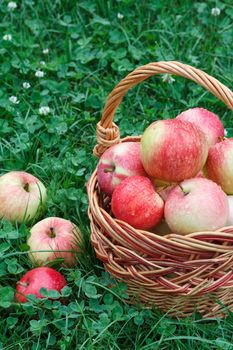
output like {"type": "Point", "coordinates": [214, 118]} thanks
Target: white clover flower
{"type": "Point", "coordinates": [26, 85]}
{"type": "Point", "coordinates": [215, 11]}
{"type": "Point", "coordinates": [120, 16]}
{"type": "Point", "coordinates": [225, 132]}
{"type": "Point", "coordinates": [44, 110]}
{"type": "Point", "coordinates": [14, 100]}
{"type": "Point", "coordinates": [7, 37]}
{"type": "Point", "coordinates": [166, 78]}
{"type": "Point", "coordinates": [42, 63]}
{"type": "Point", "coordinates": [12, 5]}
{"type": "Point", "coordinates": [39, 74]}
{"type": "Point", "coordinates": [45, 51]}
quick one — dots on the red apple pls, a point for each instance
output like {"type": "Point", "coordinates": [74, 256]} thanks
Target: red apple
{"type": "Point", "coordinates": [219, 164]}
{"type": "Point", "coordinates": [173, 150]}
{"type": "Point", "coordinates": [196, 204]}
{"type": "Point", "coordinates": [117, 163]}
{"type": "Point", "coordinates": [207, 121]}
{"type": "Point", "coordinates": [34, 280]}
{"type": "Point", "coordinates": [136, 202]}
{"type": "Point", "coordinates": [22, 196]}
{"type": "Point", "coordinates": [54, 238]}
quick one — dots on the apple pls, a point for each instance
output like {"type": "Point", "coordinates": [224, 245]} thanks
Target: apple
{"type": "Point", "coordinates": [173, 150]}
{"type": "Point", "coordinates": [219, 164]}
{"type": "Point", "coordinates": [195, 205]}
{"type": "Point", "coordinates": [207, 121]}
{"type": "Point", "coordinates": [34, 280]}
{"type": "Point", "coordinates": [54, 238]}
{"type": "Point", "coordinates": [117, 163]}
{"type": "Point", "coordinates": [136, 202]}
{"type": "Point", "coordinates": [230, 217]}
{"type": "Point", "coordinates": [22, 196]}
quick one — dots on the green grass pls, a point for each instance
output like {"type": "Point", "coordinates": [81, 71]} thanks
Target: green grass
{"type": "Point", "coordinates": [90, 50]}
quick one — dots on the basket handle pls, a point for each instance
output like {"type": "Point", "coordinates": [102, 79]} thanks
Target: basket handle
{"type": "Point", "coordinates": [108, 132]}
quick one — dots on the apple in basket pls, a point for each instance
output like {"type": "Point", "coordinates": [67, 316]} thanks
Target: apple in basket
{"type": "Point", "coordinates": [136, 202]}
{"type": "Point", "coordinates": [34, 280]}
{"type": "Point", "coordinates": [173, 150]}
{"type": "Point", "coordinates": [219, 164]}
{"type": "Point", "coordinates": [207, 121]}
{"type": "Point", "coordinates": [196, 204]}
{"type": "Point", "coordinates": [117, 163]}
{"type": "Point", "coordinates": [22, 196]}
{"type": "Point", "coordinates": [54, 238]}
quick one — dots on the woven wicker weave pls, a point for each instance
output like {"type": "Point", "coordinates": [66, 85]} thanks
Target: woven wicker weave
{"type": "Point", "coordinates": [178, 274]}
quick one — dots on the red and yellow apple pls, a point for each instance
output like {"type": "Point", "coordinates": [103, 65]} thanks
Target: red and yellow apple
{"type": "Point", "coordinates": [219, 164]}
{"type": "Point", "coordinates": [207, 121]}
{"type": "Point", "coordinates": [117, 163]}
{"type": "Point", "coordinates": [22, 196]}
{"type": "Point", "coordinates": [34, 280]}
{"type": "Point", "coordinates": [136, 202]}
{"type": "Point", "coordinates": [173, 150]}
{"type": "Point", "coordinates": [196, 204]}
{"type": "Point", "coordinates": [54, 238]}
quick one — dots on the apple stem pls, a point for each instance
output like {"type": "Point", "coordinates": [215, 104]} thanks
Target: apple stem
{"type": "Point", "coordinates": [52, 233]}
{"type": "Point", "coordinates": [184, 192]}
{"type": "Point", "coordinates": [23, 284]}
{"type": "Point", "coordinates": [109, 170]}
{"type": "Point", "coordinates": [26, 187]}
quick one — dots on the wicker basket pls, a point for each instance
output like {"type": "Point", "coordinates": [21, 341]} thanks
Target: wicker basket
{"type": "Point", "coordinates": [178, 274]}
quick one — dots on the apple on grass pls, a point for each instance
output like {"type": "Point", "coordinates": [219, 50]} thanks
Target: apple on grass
{"type": "Point", "coordinates": [117, 163]}
{"type": "Point", "coordinates": [219, 165]}
{"type": "Point", "coordinates": [22, 196]}
{"type": "Point", "coordinates": [207, 121]}
{"type": "Point", "coordinates": [136, 202]}
{"type": "Point", "coordinates": [54, 238]}
{"type": "Point", "coordinates": [195, 205]}
{"type": "Point", "coordinates": [173, 150]}
{"type": "Point", "coordinates": [34, 280]}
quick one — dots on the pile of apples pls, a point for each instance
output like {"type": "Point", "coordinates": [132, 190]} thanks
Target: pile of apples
{"type": "Point", "coordinates": [177, 179]}
{"type": "Point", "coordinates": [22, 199]}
